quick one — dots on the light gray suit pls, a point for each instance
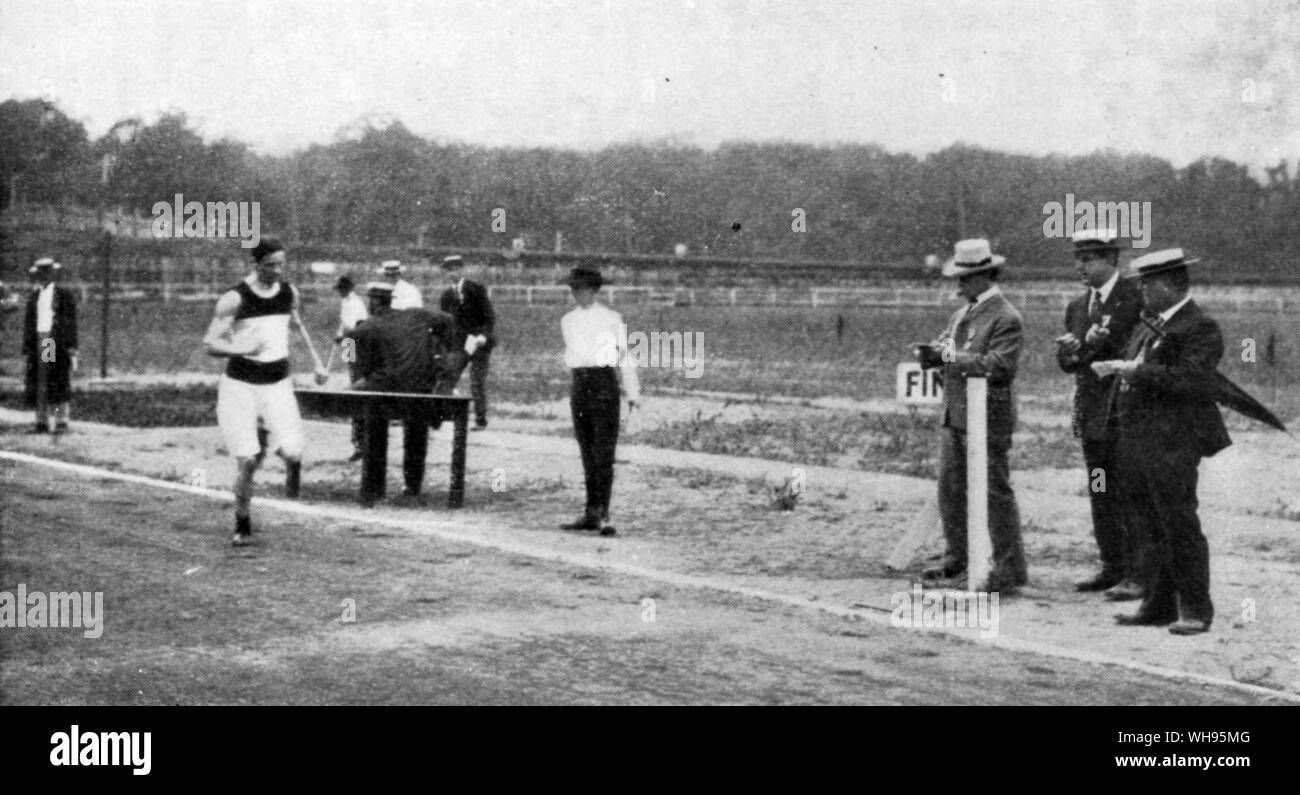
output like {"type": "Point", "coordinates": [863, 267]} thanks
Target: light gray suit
{"type": "Point", "coordinates": [986, 340]}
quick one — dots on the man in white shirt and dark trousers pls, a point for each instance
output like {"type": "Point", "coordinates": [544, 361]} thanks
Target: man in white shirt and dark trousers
{"type": "Point", "coordinates": [352, 312]}
{"type": "Point", "coordinates": [602, 374]}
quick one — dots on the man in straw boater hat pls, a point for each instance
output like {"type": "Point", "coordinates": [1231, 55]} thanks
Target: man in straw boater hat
{"type": "Point", "coordinates": [50, 347]}
{"type": "Point", "coordinates": [983, 339]}
{"type": "Point", "coordinates": [467, 301]}
{"type": "Point", "coordinates": [1098, 325]}
{"type": "Point", "coordinates": [405, 294]}
{"type": "Point", "coordinates": [603, 374]}
{"type": "Point", "coordinates": [1164, 403]}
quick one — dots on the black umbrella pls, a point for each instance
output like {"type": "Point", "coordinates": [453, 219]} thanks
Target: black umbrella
{"type": "Point", "coordinates": [1222, 391]}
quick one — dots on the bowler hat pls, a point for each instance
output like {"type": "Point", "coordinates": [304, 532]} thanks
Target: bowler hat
{"type": "Point", "coordinates": [971, 256]}
{"type": "Point", "coordinates": [344, 283]}
{"type": "Point", "coordinates": [586, 277]}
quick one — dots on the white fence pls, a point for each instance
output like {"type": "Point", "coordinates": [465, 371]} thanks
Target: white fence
{"type": "Point", "coordinates": [1026, 297]}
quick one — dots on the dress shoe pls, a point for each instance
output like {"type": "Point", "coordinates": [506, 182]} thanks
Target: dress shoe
{"type": "Point", "coordinates": [1101, 582]}
{"type": "Point", "coordinates": [587, 522]}
{"type": "Point", "coordinates": [1139, 620]}
{"type": "Point", "coordinates": [942, 573]}
{"type": "Point", "coordinates": [356, 456]}
{"type": "Point", "coordinates": [608, 530]}
{"type": "Point", "coordinates": [1126, 591]}
{"type": "Point", "coordinates": [38, 428]}
{"type": "Point", "coordinates": [481, 425]}
{"type": "Point", "coordinates": [1189, 626]}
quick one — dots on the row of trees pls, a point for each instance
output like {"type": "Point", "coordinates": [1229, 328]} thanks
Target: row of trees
{"type": "Point", "coordinates": [383, 185]}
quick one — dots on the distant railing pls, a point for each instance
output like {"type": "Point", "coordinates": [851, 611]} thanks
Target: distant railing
{"type": "Point", "coordinates": [1031, 298]}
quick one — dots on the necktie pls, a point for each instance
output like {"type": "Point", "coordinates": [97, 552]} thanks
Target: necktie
{"type": "Point", "coordinates": [1094, 305]}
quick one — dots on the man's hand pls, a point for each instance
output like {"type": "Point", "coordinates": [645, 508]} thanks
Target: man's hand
{"type": "Point", "coordinates": [1069, 344]}
{"type": "Point", "coordinates": [1096, 334]}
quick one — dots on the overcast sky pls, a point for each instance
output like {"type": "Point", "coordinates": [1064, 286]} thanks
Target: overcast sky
{"type": "Point", "coordinates": [1173, 79]}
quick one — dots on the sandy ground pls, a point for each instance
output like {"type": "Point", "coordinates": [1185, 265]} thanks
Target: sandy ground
{"type": "Point", "coordinates": [710, 516]}
{"type": "Point", "coordinates": [324, 612]}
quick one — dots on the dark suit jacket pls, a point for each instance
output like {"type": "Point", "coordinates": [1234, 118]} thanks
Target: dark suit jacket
{"type": "Point", "coordinates": [473, 315]}
{"type": "Point", "coordinates": [1166, 403]}
{"type": "Point", "coordinates": [406, 350]}
{"type": "Point", "coordinates": [986, 343]}
{"type": "Point", "coordinates": [1119, 315]}
{"type": "Point", "coordinates": [64, 329]}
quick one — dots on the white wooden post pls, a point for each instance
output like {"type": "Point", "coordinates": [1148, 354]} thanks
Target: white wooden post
{"type": "Point", "coordinates": [979, 546]}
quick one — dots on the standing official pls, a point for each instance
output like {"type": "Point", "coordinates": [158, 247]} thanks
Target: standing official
{"type": "Point", "coordinates": [1098, 325]}
{"type": "Point", "coordinates": [411, 350]}
{"type": "Point", "coordinates": [250, 329]}
{"type": "Point", "coordinates": [405, 294]}
{"type": "Point", "coordinates": [602, 373]}
{"type": "Point", "coordinates": [467, 301]}
{"type": "Point", "coordinates": [352, 311]}
{"type": "Point", "coordinates": [50, 346]}
{"type": "Point", "coordinates": [982, 339]}
{"type": "Point", "coordinates": [1168, 421]}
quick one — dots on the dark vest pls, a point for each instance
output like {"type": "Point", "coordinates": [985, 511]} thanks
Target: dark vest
{"type": "Point", "coordinates": [253, 305]}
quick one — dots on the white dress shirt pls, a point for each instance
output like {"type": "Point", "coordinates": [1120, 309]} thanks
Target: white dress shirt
{"type": "Point", "coordinates": [352, 310]}
{"type": "Point", "coordinates": [1173, 310]}
{"type": "Point", "coordinates": [45, 309]}
{"type": "Point", "coordinates": [595, 336]}
{"type": "Point", "coordinates": [406, 296]}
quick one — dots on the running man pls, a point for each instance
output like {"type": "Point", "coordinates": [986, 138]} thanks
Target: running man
{"type": "Point", "coordinates": [251, 330]}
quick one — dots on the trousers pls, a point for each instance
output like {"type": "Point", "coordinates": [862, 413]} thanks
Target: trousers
{"type": "Point", "coordinates": [415, 448]}
{"type": "Point", "coordinates": [478, 370]}
{"type": "Point", "coordinates": [1009, 566]}
{"type": "Point", "coordinates": [1173, 557]}
{"type": "Point", "coordinates": [594, 402]}
{"type": "Point", "coordinates": [1115, 545]}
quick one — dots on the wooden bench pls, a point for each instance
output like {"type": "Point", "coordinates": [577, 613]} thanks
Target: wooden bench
{"type": "Point", "coordinates": [379, 407]}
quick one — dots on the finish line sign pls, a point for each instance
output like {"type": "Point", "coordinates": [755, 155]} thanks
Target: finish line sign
{"type": "Point", "coordinates": [917, 387]}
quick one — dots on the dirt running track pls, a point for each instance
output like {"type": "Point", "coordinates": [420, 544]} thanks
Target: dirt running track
{"type": "Point", "coordinates": [557, 619]}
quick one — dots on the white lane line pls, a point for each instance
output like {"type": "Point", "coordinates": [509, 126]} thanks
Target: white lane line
{"type": "Point", "coordinates": [445, 530]}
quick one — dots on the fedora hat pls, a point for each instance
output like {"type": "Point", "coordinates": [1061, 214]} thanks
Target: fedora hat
{"type": "Point", "coordinates": [392, 266]}
{"type": "Point", "coordinates": [586, 277]}
{"type": "Point", "coordinates": [971, 256]}
{"type": "Point", "coordinates": [1159, 261]}
{"type": "Point", "coordinates": [1095, 240]}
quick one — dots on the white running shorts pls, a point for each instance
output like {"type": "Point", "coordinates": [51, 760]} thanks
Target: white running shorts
{"type": "Point", "coordinates": [240, 404]}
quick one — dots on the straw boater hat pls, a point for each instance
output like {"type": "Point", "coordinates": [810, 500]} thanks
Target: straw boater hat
{"type": "Point", "coordinates": [971, 256]}
{"type": "Point", "coordinates": [392, 266]}
{"type": "Point", "coordinates": [453, 261]}
{"type": "Point", "coordinates": [44, 262]}
{"type": "Point", "coordinates": [379, 290]}
{"type": "Point", "coordinates": [1095, 240]}
{"type": "Point", "coordinates": [1159, 262]}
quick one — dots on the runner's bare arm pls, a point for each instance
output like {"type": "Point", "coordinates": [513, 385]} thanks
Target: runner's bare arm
{"type": "Point", "coordinates": [217, 341]}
